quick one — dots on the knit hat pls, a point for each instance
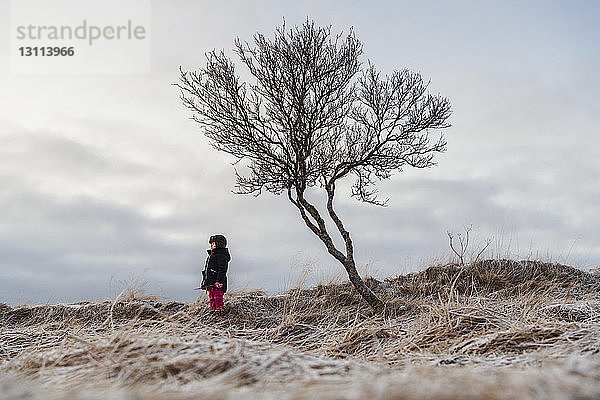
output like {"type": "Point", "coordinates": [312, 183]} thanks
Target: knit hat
{"type": "Point", "coordinates": [220, 240]}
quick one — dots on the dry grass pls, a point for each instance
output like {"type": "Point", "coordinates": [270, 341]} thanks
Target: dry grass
{"type": "Point", "coordinates": [494, 329]}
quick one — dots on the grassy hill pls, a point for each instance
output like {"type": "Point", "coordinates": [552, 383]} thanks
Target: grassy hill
{"type": "Point", "coordinates": [495, 329]}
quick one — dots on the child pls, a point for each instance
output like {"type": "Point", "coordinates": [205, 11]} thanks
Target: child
{"type": "Point", "coordinates": [214, 276]}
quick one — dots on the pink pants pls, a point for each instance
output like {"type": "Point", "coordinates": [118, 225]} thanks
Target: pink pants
{"type": "Point", "coordinates": [215, 297]}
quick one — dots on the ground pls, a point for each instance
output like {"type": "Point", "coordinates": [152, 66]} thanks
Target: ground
{"type": "Point", "coordinates": [495, 329]}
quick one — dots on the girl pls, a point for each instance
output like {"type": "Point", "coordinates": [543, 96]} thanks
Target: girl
{"type": "Point", "coordinates": [214, 276]}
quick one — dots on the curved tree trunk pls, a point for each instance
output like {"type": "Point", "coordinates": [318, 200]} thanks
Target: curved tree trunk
{"type": "Point", "coordinates": [347, 260]}
{"type": "Point", "coordinates": [360, 286]}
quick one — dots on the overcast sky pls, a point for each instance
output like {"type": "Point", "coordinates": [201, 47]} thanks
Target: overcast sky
{"type": "Point", "coordinates": [105, 179]}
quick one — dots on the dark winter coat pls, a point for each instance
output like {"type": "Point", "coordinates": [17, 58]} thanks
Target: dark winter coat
{"type": "Point", "coordinates": [215, 268]}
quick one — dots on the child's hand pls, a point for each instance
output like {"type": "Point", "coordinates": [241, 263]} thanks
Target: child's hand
{"type": "Point", "coordinates": [218, 285]}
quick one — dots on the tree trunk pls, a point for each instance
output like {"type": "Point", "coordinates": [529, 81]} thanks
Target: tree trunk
{"type": "Point", "coordinates": [347, 260]}
{"type": "Point", "coordinates": [360, 286]}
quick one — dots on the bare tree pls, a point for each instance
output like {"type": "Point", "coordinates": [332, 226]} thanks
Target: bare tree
{"type": "Point", "coordinates": [309, 117]}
